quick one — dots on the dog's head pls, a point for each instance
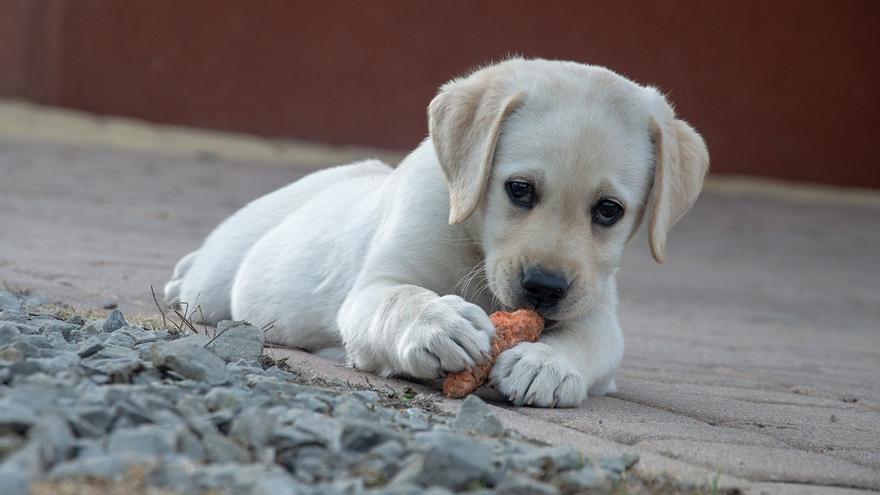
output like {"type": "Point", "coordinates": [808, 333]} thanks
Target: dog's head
{"type": "Point", "coordinates": [553, 165]}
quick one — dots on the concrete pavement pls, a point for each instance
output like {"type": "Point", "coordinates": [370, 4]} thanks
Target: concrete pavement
{"type": "Point", "coordinates": [754, 352]}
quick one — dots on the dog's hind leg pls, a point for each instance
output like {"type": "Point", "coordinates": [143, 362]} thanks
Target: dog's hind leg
{"type": "Point", "coordinates": [174, 286]}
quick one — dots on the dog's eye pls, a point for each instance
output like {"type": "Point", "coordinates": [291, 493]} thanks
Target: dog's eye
{"type": "Point", "coordinates": [521, 193]}
{"type": "Point", "coordinates": [607, 212]}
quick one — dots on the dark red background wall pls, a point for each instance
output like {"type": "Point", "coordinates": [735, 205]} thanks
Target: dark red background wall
{"type": "Point", "coordinates": [784, 89]}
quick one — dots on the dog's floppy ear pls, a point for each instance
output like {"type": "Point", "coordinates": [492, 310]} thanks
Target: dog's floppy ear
{"type": "Point", "coordinates": [682, 161]}
{"type": "Point", "coordinates": [464, 121]}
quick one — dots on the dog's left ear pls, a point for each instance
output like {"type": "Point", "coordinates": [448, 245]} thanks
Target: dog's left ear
{"type": "Point", "coordinates": [464, 121]}
{"type": "Point", "coordinates": [681, 163]}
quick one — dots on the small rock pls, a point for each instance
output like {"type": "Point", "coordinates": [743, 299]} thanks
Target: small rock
{"type": "Point", "coordinates": [447, 460]}
{"type": "Point", "coordinates": [109, 303]}
{"type": "Point", "coordinates": [118, 363]}
{"type": "Point", "coordinates": [16, 418]}
{"type": "Point", "coordinates": [618, 465]}
{"type": "Point", "coordinates": [54, 437]}
{"type": "Point", "coordinates": [120, 338]}
{"type": "Point", "coordinates": [152, 440]}
{"type": "Point", "coordinates": [325, 431]}
{"type": "Point", "coordinates": [190, 361]}
{"type": "Point", "coordinates": [13, 481]}
{"type": "Point", "coordinates": [414, 419]}
{"type": "Point", "coordinates": [252, 427]}
{"type": "Point", "coordinates": [475, 416]}
{"type": "Point", "coordinates": [10, 302]}
{"type": "Point", "coordinates": [361, 436]}
{"type": "Point", "coordinates": [277, 483]}
{"type": "Point", "coordinates": [75, 320]}
{"type": "Point", "coordinates": [538, 460]}
{"type": "Point", "coordinates": [35, 300]}
{"type": "Point", "coordinates": [9, 333]}
{"type": "Point", "coordinates": [582, 479]}
{"type": "Point", "coordinates": [348, 407]}
{"type": "Point", "coordinates": [237, 340]}
{"type": "Point", "coordinates": [114, 321]}
{"type": "Point", "coordinates": [523, 485]}
{"type": "Point", "coordinates": [172, 474]}
{"type": "Point", "coordinates": [90, 346]}
{"type": "Point", "coordinates": [220, 449]}
{"type": "Point", "coordinates": [11, 355]}
{"type": "Point", "coordinates": [103, 466]}
{"type": "Point", "coordinates": [367, 396]}
{"type": "Point", "coordinates": [90, 421]}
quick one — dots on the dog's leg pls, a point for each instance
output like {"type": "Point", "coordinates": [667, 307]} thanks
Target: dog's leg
{"type": "Point", "coordinates": [405, 329]}
{"type": "Point", "coordinates": [566, 363]}
{"type": "Point", "coordinates": [172, 288]}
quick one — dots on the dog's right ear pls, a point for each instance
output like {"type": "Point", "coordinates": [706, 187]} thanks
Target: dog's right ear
{"type": "Point", "coordinates": [464, 121]}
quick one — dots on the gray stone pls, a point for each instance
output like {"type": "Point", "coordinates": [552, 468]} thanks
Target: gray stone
{"type": "Point", "coordinates": [13, 481]}
{"type": "Point", "coordinates": [312, 464]}
{"type": "Point", "coordinates": [237, 340]}
{"type": "Point", "coordinates": [64, 361]}
{"type": "Point", "coordinates": [311, 402]}
{"type": "Point", "coordinates": [253, 427]}
{"type": "Point", "coordinates": [172, 474]}
{"type": "Point", "coordinates": [59, 327]}
{"type": "Point", "coordinates": [541, 459]}
{"type": "Point", "coordinates": [361, 436]}
{"type": "Point", "coordinates": [189, 445]}
{"type": "Point", "coordinates": [90, 421]}
{"type": "Point", "coordinates": [10, 302]}
{"type": "Point", "coordinates": [367, 396]}
{"type": "Point", "coordinates": [117, 362]}
{"type": "Point", "coordinates": [225, 398]}
{"type": "Point", "coordinates": [54, 437]}
{"type": "Point", "coordinates": [139, 335]}
{"type": "Point", "coordinates": [109, 303]}
{"type": "Point", "coordinates": [476, 417]}
{"type": "Point", "coordinates": [414, 419]}
{"type": "Point", "coordinates": [447, 460]}
{"type": "Point", "coordinates": [523, 485]}
{"type": "Point", "coordinates": [616, 466]}
{"type": "Point", "coordinates": [16, 418]}
{"type": "Point", "coordinates": [9, 333]}
{"type": "Point", "coordinates": [145, 439]}
{"type": "Point", "coordinates": [9, 442]}
{"type": "Point", "coordinates": [235, 478]}
{"type": "Point", "coordinates": [103, 466]}
{"type": "Point", "coordinates": [114, 321]}
{"type": "Point", "coordinates": [280, 373]}
{"type": "Point", "coordinates": [325, 431]}
{"type": "Point", "coordinates": [349, 407]}
{"type": "Point", "coordinates": [120, 338]}
{"type": "Point", "coordinates": [90, 346]}
{"type": "Point", "coordinates": [92, 328]}
{"type": "Point", "coordinates": [277, 483]}
{"type": "Point", "coordinates": [578, 480]}
{"type": "Point", "coordinates": [34, 300]}
{"type": "Point", "coordinates": [190, 361]}
{"type": "Point", "coordinates": [75, 320]}
{"type": "Point", "coordinates": [220, 449]}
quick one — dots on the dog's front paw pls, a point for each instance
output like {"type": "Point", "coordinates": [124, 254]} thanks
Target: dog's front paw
{"type": "Point", "coordinates": [449, 335]}
{"type": "Point", "coordinates": [533, 374]}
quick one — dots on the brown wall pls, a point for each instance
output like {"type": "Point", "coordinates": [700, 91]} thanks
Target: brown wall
{"type": "Point", "coordinates": [783, 88]}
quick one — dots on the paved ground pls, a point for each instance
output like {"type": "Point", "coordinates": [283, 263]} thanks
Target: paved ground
{"type": "Point", "coordinates": [754, 352]}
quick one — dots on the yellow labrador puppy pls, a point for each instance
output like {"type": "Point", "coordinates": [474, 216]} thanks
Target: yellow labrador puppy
{"type": "Point", "coordinates": [535, 175]}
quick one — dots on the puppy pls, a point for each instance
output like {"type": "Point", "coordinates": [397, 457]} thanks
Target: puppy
{"type": "Point", "coordinates": [534, 177]}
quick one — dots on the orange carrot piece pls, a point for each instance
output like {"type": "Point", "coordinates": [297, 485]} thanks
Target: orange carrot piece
{"type": "Point", "coordinates": [524, 325]}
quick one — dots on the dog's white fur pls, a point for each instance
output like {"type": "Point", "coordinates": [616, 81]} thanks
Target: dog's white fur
{"type": "Point", "coordinates": [401, 266]}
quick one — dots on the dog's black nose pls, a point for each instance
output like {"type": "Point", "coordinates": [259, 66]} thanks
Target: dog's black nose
{"type": "Point", "coordinates": [543, 289]}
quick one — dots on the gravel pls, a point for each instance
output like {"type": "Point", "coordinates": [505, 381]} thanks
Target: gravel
{"type": "Point", "coordinates": [105, 401]}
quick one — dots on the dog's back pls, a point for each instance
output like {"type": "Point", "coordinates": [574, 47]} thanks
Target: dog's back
{"type": "Point", "coordinates": [202, 280]}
